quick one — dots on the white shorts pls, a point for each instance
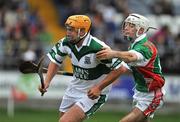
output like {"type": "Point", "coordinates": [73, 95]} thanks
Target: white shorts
{"type": "Point", "coordinates": [148, 103]}
{"type": "Point", "coordinates": [81, 99]}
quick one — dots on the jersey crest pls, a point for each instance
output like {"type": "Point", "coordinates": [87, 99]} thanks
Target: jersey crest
{"type": "Point", "coordinates": [87, 60]}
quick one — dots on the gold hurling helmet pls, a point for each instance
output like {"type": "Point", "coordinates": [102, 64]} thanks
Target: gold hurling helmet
{"type": "Point", "coordinates": [79, 22]}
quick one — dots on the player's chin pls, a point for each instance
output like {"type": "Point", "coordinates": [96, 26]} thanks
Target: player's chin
{"type": "Point", "coordinates": [69, 38]}
{"type": "Point", "coordinates": [71, 41]}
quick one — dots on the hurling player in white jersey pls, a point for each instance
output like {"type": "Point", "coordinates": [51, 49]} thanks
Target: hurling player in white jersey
{"type": "Point", "coordinates": [81, 47]}
{"type": "Point", "coordinates": [143, 60]}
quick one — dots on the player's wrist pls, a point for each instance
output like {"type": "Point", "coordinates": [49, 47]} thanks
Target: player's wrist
{"type": "Point", "coordinates": [115, 54]}
{"type": "Point", "coordinates": [99, 87]}
{"type": "Point", "coordinates": [46, 84]}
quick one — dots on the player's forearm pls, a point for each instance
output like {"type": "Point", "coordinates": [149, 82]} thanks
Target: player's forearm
{"type": "Point", "coordinates": [52, 70]}
{"type": "Point", "coordinates": [125, 56]}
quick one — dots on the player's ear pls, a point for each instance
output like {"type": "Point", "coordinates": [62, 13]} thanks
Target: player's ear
{"type": "Point", "coordinates": [82, 32]}
{"type": "Point", "coordinates": [141, 31]}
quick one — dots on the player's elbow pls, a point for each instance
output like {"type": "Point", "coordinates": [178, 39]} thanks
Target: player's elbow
{"type": "Point", "coordinates": [130, 58]}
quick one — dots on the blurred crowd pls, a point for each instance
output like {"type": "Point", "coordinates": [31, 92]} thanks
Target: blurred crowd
{"type": "Point", "coordinates": [23, 37]}
{"type": "Point", "coordinates": [22, 34]}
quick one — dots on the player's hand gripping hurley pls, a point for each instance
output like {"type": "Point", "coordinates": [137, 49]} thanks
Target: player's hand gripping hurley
{"type": "Point", "coordinates": [40, 73]}
{"type": "Point", "coordinates": [30, 67]}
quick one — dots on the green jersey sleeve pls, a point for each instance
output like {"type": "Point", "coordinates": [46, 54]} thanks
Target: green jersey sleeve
{"type": "Point", "coordinates": [58, 52]}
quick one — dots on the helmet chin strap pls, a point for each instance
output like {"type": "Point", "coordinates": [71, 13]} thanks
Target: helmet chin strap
{"type": "Point", "coordinates": [79, 38]}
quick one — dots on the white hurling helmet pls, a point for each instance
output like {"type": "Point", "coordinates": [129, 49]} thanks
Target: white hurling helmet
{"type": "Point", "coordinates": [139, 21]}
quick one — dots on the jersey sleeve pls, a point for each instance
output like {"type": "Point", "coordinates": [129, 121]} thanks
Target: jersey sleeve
{"type": "Point", "coordinates": [58, 53]}
{"type": "Point", "coordinates": [143, 56]}
{"type": "Point", "coordinates": [116, 63]}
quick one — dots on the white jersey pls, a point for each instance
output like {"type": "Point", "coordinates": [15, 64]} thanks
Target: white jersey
{"type": "Point", "coordinates": [87, 69]}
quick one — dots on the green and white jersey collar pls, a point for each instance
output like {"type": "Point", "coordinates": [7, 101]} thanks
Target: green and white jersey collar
{"type": "Point", "coordinates": [86, 42]}
{"type": "Point", "coordinates": [138, 39]}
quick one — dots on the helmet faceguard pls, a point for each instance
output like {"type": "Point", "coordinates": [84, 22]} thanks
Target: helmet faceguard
{"type": "Point", "coordinates": [139, 21]}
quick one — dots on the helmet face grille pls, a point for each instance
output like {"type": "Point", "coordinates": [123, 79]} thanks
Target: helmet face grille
{"type": "Point", "coordinates": [138, 20]}
{"type": "Point", "coordinates": [79, 22]}
{"type": "Point", "coordinates": [142, 24]}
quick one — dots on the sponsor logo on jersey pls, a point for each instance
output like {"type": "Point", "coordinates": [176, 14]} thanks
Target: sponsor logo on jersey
{"type": "Point", "coordinates": [81, 73]}
{"type": "Point", "coordinates": [87, 60]}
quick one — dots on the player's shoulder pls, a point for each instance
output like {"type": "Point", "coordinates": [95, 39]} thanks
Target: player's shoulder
{"type": "Point", "coordinates": [64, 42]}
{"type": "Point", "coordinates": [97, 44]}
{"type": "Point", "coordinates": [141, 45]}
